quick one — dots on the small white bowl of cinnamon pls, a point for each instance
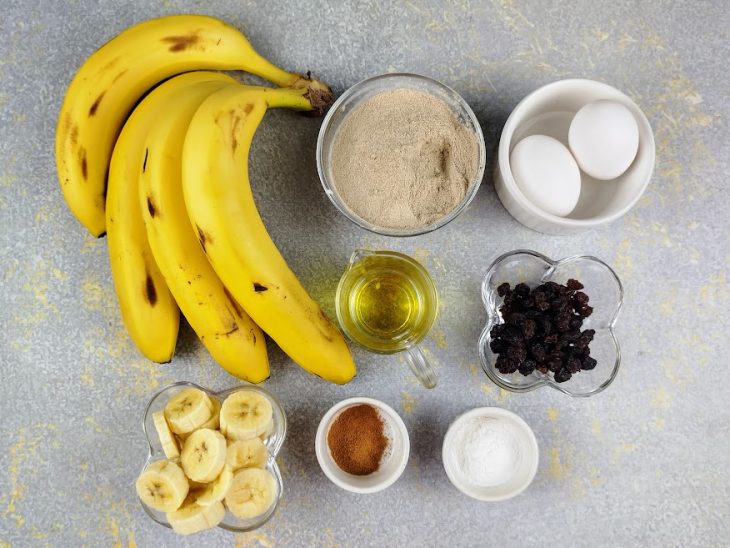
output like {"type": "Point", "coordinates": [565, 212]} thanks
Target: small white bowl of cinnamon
{"type": "Point", "coordinates": [362, 445]}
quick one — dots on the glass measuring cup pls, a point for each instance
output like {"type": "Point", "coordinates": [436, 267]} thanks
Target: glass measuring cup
{"type": "Point", "coordinates": [387, 302]}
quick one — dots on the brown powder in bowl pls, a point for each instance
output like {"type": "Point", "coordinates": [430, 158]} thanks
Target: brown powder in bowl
{"type": "Point", "coordinates": [357, 440]}
{"type": "Point", "coordinates": [402, 159]}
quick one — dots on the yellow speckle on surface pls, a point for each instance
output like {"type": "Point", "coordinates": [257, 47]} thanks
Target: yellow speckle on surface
{"type": "Point", "coordinates": [556, 468]}
{"type": "Point", "coordinates": [552, 414]}
{"type": "Point", "coordinates": [438, 337]}
{"type": "Point", "coordinates": [473, 369]}
{"type": "Point", "coordinates": [715, 290]}
{"type": "Point", "coordinates": [661, 399]}
{"type": "Point", "coordinates": [622, 261]}
{"type": "Point", "coordinates": [421, 255]}
{"type": "Point", "coordinates": [92, 293]}
{"type": "Point", "coordinates": [621, 450]}
{"type": "Point", "coordinates": [87, 378]}
{"type": "Point", "coordinates": [91, 421]}
{"type": "Point", "coordinates": [252, 539]}
{"type": "Point", "coordinates": [130, 540]}
{"type": "Point", "coordinates": [596, 428]}
{"type": "Point", "coordinates": [489, 389]}
{"type": "Point", "coordinates": [408, 403]}
{"type": "Point", "coordinates": [659, 423]}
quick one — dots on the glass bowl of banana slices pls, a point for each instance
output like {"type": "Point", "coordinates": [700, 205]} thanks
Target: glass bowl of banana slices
{"type": "Point", "coordinates": [212, 458]}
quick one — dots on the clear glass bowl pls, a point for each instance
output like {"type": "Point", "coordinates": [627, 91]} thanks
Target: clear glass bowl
{"type": "Point", "coordinates": [361, 92]}
{"type": "Point", "coordinates": [273, 443]}
{"type": "Point", "coordinates": [606, 297]}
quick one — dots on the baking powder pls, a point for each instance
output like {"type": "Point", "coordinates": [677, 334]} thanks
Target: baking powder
{"type": "Point", "coordinates": [486, 451]}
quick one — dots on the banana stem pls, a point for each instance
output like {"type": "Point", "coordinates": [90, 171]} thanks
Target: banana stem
{"type": "Point", "coordinates": [295, 99]}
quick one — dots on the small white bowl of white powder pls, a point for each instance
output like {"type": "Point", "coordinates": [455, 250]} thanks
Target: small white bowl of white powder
{"type": "Point", "coordinates": [490, 454]}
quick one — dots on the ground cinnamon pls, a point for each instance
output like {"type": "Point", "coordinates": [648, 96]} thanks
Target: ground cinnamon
{"type": "Point", "coordinates": [357, 440]}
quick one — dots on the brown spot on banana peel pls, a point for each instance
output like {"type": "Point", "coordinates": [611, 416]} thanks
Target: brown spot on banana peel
{"type": "Point", "coordinates": [259, 288]}
{"type": "Point", "coordinates": [203, 237]}
{"type": "Point", "coordinates": [84, 165]}
{"type": "Point", "coordinates": [151, 208]}
{"type": "Point", "coordinates": [95, 105]}
{"type": "Point", "coordinates": [234, 304]}
{"type": "Point", "coordinates": [181, 43]}
{"type": "Point", "coordinates": [232, 330]}
{"type": "Point", "coordinates": [118, 76]}
{"type": "Point", "coordinates": [234, 127]}
{"type": "Point", "coordinates": [149, 290]}
{"type": "Point", "coordinates": [144, 162]}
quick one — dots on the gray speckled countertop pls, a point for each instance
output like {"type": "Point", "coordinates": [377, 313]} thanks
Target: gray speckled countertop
{"type": "Point", "coordinates": [647, 462]}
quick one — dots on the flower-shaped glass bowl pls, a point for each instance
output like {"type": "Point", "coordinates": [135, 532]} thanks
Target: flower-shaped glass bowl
{"type": "Point", "coordinates": [606, 296]}
{"type": "Point", "coordinates": [273, 441]}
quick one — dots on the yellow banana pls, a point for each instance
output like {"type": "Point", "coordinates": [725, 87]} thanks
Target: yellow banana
{"type": "Point", "coordinates": [231, 337]}
{"type": "Point", "coordinates": [224, 216]}
{"type": "Point", "coordinates": [113, 79]}
{"type": "Point", "coordinates": [149, 311]}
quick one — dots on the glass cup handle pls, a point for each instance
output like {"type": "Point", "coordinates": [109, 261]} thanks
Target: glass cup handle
{"type": "Point", "coordinates": [420, 367]}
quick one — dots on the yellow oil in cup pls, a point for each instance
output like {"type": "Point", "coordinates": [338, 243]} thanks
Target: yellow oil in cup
{"type": "Point", "coordinates": [387, 302]}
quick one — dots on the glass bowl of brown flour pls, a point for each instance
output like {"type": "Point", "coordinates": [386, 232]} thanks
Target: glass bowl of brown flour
{"type": "Point", "coordinates": [400, 154]}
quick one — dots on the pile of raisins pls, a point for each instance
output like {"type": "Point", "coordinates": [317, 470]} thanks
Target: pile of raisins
{"type": "Point", "coordinates": [542, 330]}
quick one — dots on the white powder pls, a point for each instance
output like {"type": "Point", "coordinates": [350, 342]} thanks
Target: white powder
{"type": "Point", "coordinates": [486, 451]}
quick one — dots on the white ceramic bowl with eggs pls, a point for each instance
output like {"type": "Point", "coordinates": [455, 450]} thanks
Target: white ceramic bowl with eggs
{"type": "Point", "coordinates": [549, 111]}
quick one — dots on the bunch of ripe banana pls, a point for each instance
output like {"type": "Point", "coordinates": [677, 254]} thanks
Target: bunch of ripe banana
{"type": "Point", "coordinates": [169, 186]}
{"type": "Point", "coordinates": [216, 455]}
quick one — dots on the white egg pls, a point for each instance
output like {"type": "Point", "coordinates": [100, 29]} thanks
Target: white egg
{"type": "Point", "coordinates": [604, 138]}
{"type": "Point", "coordinates": [546, 173]}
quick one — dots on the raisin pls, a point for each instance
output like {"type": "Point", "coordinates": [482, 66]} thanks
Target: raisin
{"type": "Point", "coordinates": [588, 363]}
{"type": "Point", "coordinates": [512, 335]}
{"type": "Point", "coordinates": [497, 346]}
{"type": "Point", "coordinates": [529, 329]}
{"type": "Point", "coordinates": [522, 289]}
{"type": "Point", "coordinates": [517, 353]}
{"type": "Point", "coordinates": [537, 351]}
{"type": "Point", "coordinates": [562, 375]}
{"type": "Point", "coordinates": [580, 298]}
{"type": "Point", "coordinates": [527, 367]}
{"type": "Point", "coordinates": [585, 311]}
{"type": "Point", "coordinates": [503, 289]}
{"type": "Point", "coordinates": [574, 284]}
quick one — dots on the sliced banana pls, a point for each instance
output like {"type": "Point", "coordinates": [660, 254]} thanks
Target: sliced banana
{"type": "Point", "coordinates": [191, 517]}
{"type": "Point", "coordinates": [246, 454]}
{"type": "Point", "coordinates": [162, 486]}
{"type": "Point", "coordinates": [216, 490]}
{"type": "Point", "coordinates": [252, 492]}
{"type": "Point", "coordinates": [268, 430]}
{"type": "Point", "coordinates": [245, 414]}
{"type": "Point", "coordinates": [214, 422]}
{"type": "Point", "coordinates": [203, 455]}
{"type": "Point", "coordinates": [167, 439]}
{"type": "Point", "coordinates": [187, 410]}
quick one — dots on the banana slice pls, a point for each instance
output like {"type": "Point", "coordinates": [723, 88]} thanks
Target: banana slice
{"type": "Point", "coordinates": [203, 455]}
{"type": "Point", "coordinates": [214, 422]}
{"type": "Point", "coordinates": [187, 410]}
{"type": "Point", "coordinates": [252, 492]}
{"type": "Point", "coordinates": [191, 517]}
{"type": "Point", "coordinates": [217, 489]}
{"type": "Point", "coordinates": [246, 454]}
{"type": "Point", "coordinates": [268, 430]}
{"type": "Point", "coordinates": [162, 486]}
{"type": "Point", "coordinates": [167, 439]}
{"type": "Point", "coordinates": [245, 414]}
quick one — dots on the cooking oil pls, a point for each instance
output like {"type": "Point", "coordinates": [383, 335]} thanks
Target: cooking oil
{"type": "Point", "coordinates": [386, 301]}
